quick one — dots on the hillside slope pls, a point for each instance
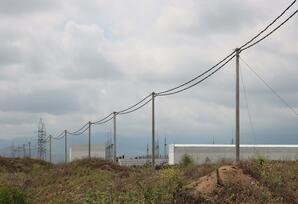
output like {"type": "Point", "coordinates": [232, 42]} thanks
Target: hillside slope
{"type": "Point", "coordinates": [99, 181]}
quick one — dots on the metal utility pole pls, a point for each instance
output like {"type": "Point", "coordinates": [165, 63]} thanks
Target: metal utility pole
{"type": "Point", "coordinates": [24, 150]}
{"type": "Point", "coordinates": [65, 143]}
{"type": "Point", "coordinates": [50, 139]}
{"type": "Point", "coordinates": [29, 149]}
{"type": "Point", "coordinates": [237, 107]}
{"type": "Point", "coordinates": [89, 146]}
{"type": "Point", "coordinates": [114, 138]}
{"type": "Point", "coordinates": [153, 131]}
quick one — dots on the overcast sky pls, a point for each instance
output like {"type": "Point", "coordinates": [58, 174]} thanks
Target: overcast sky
{"type": "Point", "coordinates": [72, 61]}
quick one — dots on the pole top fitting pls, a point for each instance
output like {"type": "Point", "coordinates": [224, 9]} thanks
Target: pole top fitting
{"type": "Point", "coordinates": [153, 93]}
{"type": "Point", "coordinates": [115, 113]}
{"type": "Point", "coordinates": [238, 50]}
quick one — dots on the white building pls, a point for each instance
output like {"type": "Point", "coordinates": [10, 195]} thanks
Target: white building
{"type": "Point", "coordinates": [200, 153]}
{"type": "Point", "coordinates": [141, 161]}
{"type": "Point", "coordinates": [80, 151]}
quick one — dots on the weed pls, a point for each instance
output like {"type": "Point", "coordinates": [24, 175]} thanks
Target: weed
{"type": "Point", "coordinates": [11, 195]}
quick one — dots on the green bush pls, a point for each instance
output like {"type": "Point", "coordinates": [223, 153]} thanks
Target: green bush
{"type": "Point", "coordinates": [11, 195]}
{"type": "Point", "coordinates": [186, 161]}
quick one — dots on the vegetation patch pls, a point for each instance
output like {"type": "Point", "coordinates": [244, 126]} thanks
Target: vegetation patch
{"type": "Point", "coordinates": [98, 181]}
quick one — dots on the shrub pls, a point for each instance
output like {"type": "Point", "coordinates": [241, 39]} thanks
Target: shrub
{"type": "Point", "coordinates": [186, 161]}
{"type": "Point", "coordinates": [11, 195]}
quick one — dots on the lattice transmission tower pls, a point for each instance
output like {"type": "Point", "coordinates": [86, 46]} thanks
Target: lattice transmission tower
{"type": "Point", "coordinates": [41, 140]}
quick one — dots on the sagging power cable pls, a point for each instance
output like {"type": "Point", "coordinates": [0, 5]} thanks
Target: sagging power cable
{"type": "Point", "coordinates": [137, 108]}
{"type": "Point", "coordinates": [74, 132]}
{"type": "Point", "coordinates": [270, 24]}
{"type": "Point", "coordinates": [276, 28]}
{"type": "Point", "coordinates": [203, 79]}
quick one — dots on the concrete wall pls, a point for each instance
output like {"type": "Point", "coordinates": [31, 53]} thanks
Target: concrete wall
{"type": "Point", "coordinates": [141, 162]}
{"type": "Point", "coordinates": [201, 153]}
{"type": "Point", "coordinates": [80, 151]}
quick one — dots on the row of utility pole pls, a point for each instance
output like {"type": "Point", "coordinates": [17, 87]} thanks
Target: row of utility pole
{"type": "Point", "coordinates": [153, 95]}
{"type": "Point", "coordinates": [21, 148]}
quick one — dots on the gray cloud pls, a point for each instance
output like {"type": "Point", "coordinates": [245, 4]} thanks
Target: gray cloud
{"type": "Point", "coordinates": [72, 62]}
{"type": "Point", "coordinates": [53, 102]}
{"type": "Point", "coordinates": [15, 7]}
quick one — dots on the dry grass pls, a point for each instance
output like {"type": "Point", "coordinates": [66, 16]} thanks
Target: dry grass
{"type": "Point", "coordinates": [99, 181]}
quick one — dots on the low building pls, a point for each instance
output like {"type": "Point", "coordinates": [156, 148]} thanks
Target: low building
{"type": "Point", "coordinates": [201, 153]}
{"type": "Point", "coordinates": [80, 151]}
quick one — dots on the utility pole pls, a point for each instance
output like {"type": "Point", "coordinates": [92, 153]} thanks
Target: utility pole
{"type": "Point", "coordinates": [29, 148]}
{"type": "Point", "coordinates": [114, 138]}
{"type": "Point", "coordinates": [153, 131]}
{"type": "Point", "coordinates": [50, 139]}
{"type": "Point", "coordinates": [65, 143]}
{"type": "Point", "coordinates": [237, 107]}
{"type": "Point", "coordinates": [89, 146]}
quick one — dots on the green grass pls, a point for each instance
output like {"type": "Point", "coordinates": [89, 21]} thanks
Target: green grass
{"type": "Point", "coordinates": [98, 181]}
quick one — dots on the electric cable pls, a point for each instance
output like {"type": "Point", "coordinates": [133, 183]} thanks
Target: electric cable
{"type": "Point", "coordinates": [262, 31]}
{"type": "Point", "coordinates": [270, 88]}
{"type": "Point", "coordinates": [203, 79]}
{"type": "Point", "coordinates": [107, 120]}
{"type": "Point", "coordinates": [74, 132]}
{"type": "Point", "coordinates": [60, 136]}
{"type": "Point", "coordinates": [127, 112]}
{"type": "Point", "coordinates": [195, 78]}
{"type": "Point", "coordinates": [99, 121]}
{"type": "Point", "coordinates": [276, 28]}
{"type": "Point", "coordinates": [79, 133]}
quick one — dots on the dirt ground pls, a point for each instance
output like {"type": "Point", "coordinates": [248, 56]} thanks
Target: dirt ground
{"type": "Point", "coordinates": [223, 176]}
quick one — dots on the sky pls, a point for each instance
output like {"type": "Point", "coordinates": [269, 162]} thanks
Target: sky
{"type": "Point", "coordinates": [72, 61]}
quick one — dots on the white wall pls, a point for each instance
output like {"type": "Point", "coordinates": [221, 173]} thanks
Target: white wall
{"type": "Point", "coordinates": [200, 153]}
{"type": "Point", "coordinates": [81, 151]}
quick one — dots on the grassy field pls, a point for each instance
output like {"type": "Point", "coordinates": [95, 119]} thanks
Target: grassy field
{"type": "Point", "coordinates": [98, 181]}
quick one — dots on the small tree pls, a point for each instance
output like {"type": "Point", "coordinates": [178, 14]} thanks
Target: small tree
{"type": "Point", "coordinates": [186, 161]}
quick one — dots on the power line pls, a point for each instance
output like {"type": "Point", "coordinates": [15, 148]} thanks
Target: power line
{"type": "Point", "coordinates": [60, 136]}
{"type": "Point", "coordinates": [262, 31]}
{"type": "Point", "coordinates": [276, 28]}
{"type": "Point", "coordinates": [206, 77]}
{"type": "Point", "coordinates": [202, 74]}
{"type": "Point", "coordinates": [74, 132]}
{"type": "Point", "coordinates": [271, 89]}
{"type": "Point", "coordinates": [225, 58]}
{"type": "Point", "coordinates": [99, 121]}
{"type": "Point", "coordinates": [193, 82]}
{"type": "Point", "coordinates": [102, 122]}
{"type": "Point", "coordinates": [127, 112]}
{"type": "Point", "coordinates": [79, 133]}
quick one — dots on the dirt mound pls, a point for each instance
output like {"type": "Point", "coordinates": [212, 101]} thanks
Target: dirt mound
{"type": "Point", "coordinates": [207, 185]}
{"type": "Point", "coordinates": [26, 165]}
